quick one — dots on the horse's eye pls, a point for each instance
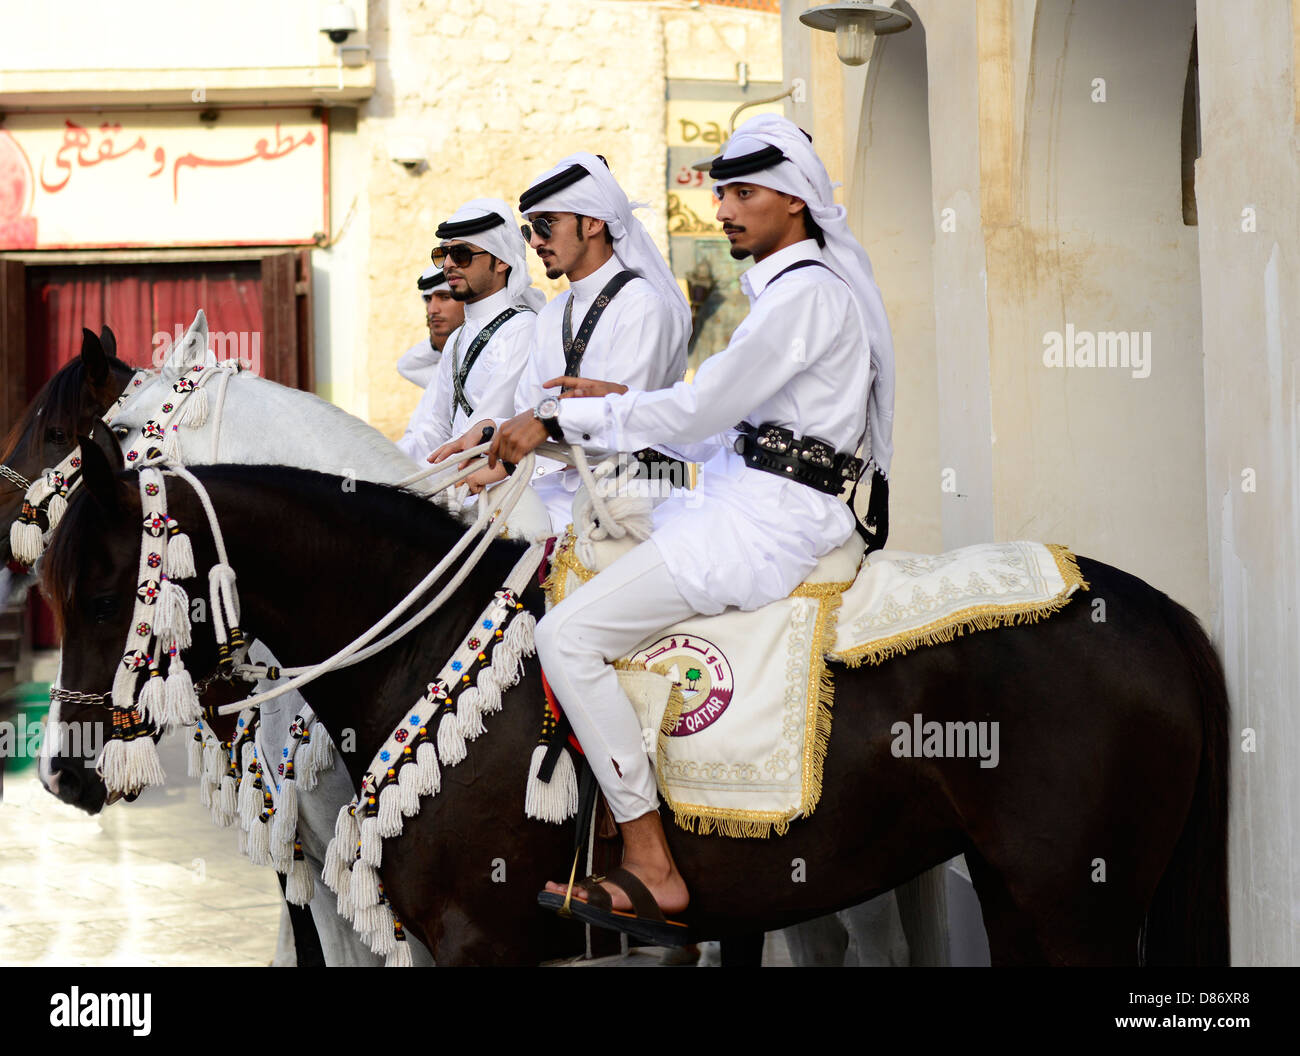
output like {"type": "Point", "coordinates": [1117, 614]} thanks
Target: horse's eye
{"type": "Point", "coordinates": [104, 608]}
{"type": "Point", "coordinates": [55, 435]}
{"type": "Point", "coordinates": [121, 432]}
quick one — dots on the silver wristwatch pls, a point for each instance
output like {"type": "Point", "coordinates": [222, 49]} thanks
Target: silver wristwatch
{"type": "Point", "coordinates": [548, 413]}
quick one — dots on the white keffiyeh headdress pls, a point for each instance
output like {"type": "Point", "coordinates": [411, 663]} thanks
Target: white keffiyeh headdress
{"type": "Point", "coordinates": [771, 151]}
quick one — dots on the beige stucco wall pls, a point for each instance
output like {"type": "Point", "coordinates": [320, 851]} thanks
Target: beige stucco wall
{"type": "Point", "coordinates": [1250, 282]}
{"type": "Point", "coordinates": [1062, 211]}
{"type": "Point", "coordinates": [501, 91]}
{"type": "Point", "coordinates": [1068, 210]}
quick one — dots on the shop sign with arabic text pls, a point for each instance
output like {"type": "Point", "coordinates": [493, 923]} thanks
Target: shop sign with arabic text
{"type": "Point", "coordinates": [163, 178]}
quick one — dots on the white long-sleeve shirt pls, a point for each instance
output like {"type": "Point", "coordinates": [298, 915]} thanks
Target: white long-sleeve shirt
{"type": "Point", "coordinates": [491, 382]}
{"type": "Point", "coordinates": [638, 341]}
{"type": "Point", "coordinates": [419, 363]}
{"type": "Point", "coordinates": [745, 537]}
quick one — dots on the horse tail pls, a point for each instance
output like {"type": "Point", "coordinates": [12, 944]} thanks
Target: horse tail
{"type": "Point", "coordinates": [923, 910]}
{"type": "Point", "coordinates": [1187, 923]}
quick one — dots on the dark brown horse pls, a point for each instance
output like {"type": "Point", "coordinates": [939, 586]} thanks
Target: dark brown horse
{"type": "Point", "coordinates": [1099, 838]}
{"type": "Point", "coordinates": [67, 406]}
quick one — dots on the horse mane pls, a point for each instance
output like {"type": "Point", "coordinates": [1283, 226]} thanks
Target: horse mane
{"type": "Point", "coordinates": [58, 403]}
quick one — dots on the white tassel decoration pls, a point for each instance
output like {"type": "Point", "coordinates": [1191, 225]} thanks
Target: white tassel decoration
{"type": "Point", "coordinates": [363, 887]}
{"type": "Point", "coordinates": [130, 766]}
{"type": "Point", "coordinates": [180, 557]}
{"type": "Point", "coordinates": [281, 853]}
{"type": "Point", "coordinates": [55, 509]}
{"type": "Point", "coordinates": [286, 815]}
{"type": "Point", "coordinates": [408, 790]}
{"type": "Point", "coordinates": [390, 816]}
{"type": "Point", "coordinates": [172, 444]}
{"type": "Point", "coordinates": [153, 698]}
{"type": "Point", "coordinates": [195, 410]}
{"type": "Point", "coordinates": [194, 756]}
{"type": "Point", "coordinates": [300, 888]}
{"type": "Point", "coordinates": [227, 802]}
{"type": "Point", "coordinates": [451, 741]}
{"type": "Point", "coordinates": [468, 715]}
{"type": "Point", "coordinates": [27, 542]}
{"type": "Point", "coordinates": [372, 843]}
{"type": "Point", "coordinates": [259, 842]}
{"type": "Point", "coordinates": [554, 801]}
{"type": "Point", "coordinates": [335, 867]}
{"type": "Point", "coordinates": [173, 614]}
{"type": "Point", "coordinates": [214, 760]}
{"type": "Point", "coordinates": [426, 760]}
{"type": "Point", "coordinates": [182, 703]}
{"type": "Point", "coordinates": [400, 957]}
{"type": "Point", "coordinates": [380, 918]}
{"type": "Point", "coordinates": [206, 788]}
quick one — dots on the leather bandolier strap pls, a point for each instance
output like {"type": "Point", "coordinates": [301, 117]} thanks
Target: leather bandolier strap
{"type": "Point", "coordinates": [460, 371]}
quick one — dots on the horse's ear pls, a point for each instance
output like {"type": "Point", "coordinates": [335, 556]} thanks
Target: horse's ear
{"type": "Point", "coordinates": [93, 357]}
{"type": "Point", "coordinates": [109, 340]}
{"type": "Point", "coordinates": [101, 461]}
{"type": "Point", "coordinates": [192, 351]}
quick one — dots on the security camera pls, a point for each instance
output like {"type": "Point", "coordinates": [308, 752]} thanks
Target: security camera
{"type": "Point", "coordinates": [338, 22]}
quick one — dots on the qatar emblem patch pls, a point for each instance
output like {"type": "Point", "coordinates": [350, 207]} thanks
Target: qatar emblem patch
{"type": "Point", "coordinates": [700, 670]}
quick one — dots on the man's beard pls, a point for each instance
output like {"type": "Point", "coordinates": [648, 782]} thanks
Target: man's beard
{"type": "Point", "coordinates": [465, 294]}
{"type": "Point", "coordinates": [737, 253]}
{"type": "Point", "coordinates": [553, 272]}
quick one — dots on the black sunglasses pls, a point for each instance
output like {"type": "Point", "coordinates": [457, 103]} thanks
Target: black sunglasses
{"type": "Point", "coordinates": [460, 255]}
{"type": "Point", "coordinates": [542, 226]}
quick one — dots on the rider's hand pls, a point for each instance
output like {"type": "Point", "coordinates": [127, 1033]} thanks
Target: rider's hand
{"type": "Point", "coordinates": [485, 477]}
{"type": "Point", "coordinates": [584, 387]}
{"type": "Point", "coordinates": [516, 438]}
{"type": "Point", "coordinates": [472, 437]}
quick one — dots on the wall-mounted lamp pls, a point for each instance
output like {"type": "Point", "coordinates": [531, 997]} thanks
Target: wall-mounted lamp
{"type": "Point", "coordinates": [408, 151]}
{"type": "Point", "coordinates": [856, 26]}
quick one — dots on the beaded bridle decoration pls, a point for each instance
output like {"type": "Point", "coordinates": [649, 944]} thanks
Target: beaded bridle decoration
{"type": "Point", "coordinates": [488, 661]}
{"type": "Point", "coordinates": [159, 439]}
{"type": "Point", "coordinates": [49, 492]}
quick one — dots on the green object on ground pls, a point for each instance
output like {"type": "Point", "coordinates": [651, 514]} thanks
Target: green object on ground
{"type": "Point", "coordinates": [20, 742]}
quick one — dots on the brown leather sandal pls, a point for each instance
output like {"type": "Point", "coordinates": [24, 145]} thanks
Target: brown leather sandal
{"type": "Point", "coordinates": [646, 923]}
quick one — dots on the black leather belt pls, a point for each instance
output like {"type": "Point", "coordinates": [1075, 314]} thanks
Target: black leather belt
{"type": "Point", "coordinates": [806, 459]}
{"type": "Point", "coordinates": [663, 467]}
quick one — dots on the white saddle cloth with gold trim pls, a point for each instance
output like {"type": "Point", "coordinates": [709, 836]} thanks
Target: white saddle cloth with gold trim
{"type": "Point", "coordinates": [736, 708]}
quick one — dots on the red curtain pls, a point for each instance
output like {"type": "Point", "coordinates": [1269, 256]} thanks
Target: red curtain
{"type": "Point", "coordinates": [143, 304]}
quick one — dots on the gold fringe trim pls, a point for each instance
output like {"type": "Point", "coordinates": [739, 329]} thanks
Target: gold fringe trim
{"type": "Point", "coordinates": [564, 561]}
{"type": "Point", "coordinates": [973, 619]}
{"type": "Point", "coordinates": [760, 824]}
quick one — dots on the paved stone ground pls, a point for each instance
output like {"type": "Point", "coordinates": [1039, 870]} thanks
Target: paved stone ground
{"type": "Point", "coordinates": [153, 883]}
{"type": "Point", "coordinates": [147, 883]}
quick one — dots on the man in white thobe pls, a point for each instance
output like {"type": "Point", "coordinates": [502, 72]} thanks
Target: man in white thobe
{"type": "Point", "coordinates": [484, 259]}
{"type": "Point", "coordinates": [582, 226]}
{"type": "Point", "coordinates": [813, 358]}
{"type": "Point", "coordinates": [442, 315]}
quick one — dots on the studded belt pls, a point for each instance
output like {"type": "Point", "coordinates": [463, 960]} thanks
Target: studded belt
{"type": "Point", "coordinates": [806, 459]}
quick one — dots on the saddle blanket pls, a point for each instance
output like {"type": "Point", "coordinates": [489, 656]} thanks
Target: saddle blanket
{"type": "Point", "coordinates": [736, 708]}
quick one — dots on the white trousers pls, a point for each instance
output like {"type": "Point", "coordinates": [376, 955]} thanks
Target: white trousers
{"type": "Point", "coordinates": [601, 621]}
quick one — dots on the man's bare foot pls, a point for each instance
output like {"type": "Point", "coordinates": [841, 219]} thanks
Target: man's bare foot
{"type": "Point", "coordinates": [645, 856]}
{"type": "Point", "coordinates": [665, 885]}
